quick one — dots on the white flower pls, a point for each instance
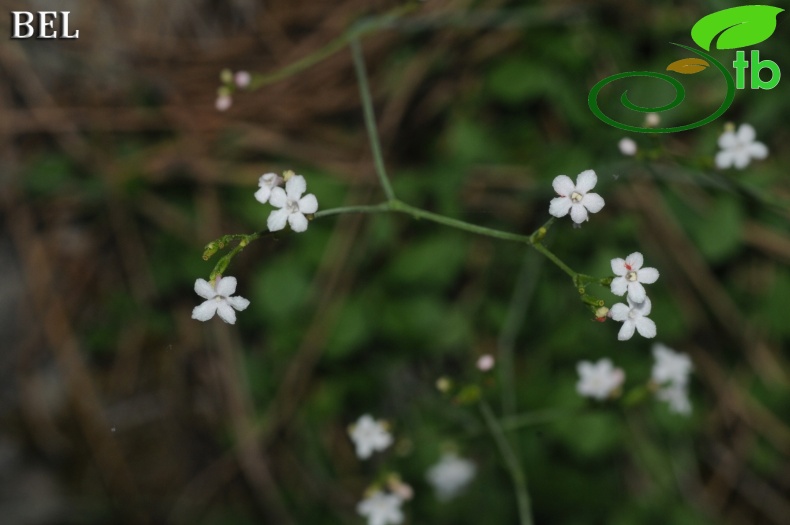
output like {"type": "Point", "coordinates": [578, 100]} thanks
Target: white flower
{"type": "Point", "coordinates": [676, 395]}
{"type": "Point", "coordinates": [292, 205]}
{"type": "Point", "coordinates": [670, 366]}
{"type": "Point", "coordinates": [631, 275]}
{"type": "Point", "coordinates": [634, 316]}
{"type": "Point", "coordinates": [627, 146]}
{"type": "Point", "coordinates": [575, 198]}
{"type": "Point", "coordinates": [450, 475]}
{"type": "Point", "coordinates": [369, 435]}
{"type": "Point", "coordinates": [218, 300]}
{"type": "Point", "coordinates": [738, 148]}
{"type": "Point", "coordinates": [381, 508]}
{"type": "Point", "coordinates": [598, 380]}
{"type": "Point", "coordinates": [266, 183]}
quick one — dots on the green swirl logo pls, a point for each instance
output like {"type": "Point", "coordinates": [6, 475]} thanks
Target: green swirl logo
{"type": "Point", "coordinates": [735, 27]}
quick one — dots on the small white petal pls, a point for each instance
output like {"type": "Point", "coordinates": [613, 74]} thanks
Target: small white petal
{"type": "Point", "coordinates": [619, 285]}
{"type": "Point", "coordinates": [757, 150]}
{"type": "Point", "coordinates": [727, 140]}
{"type": "Point", "coordinates": [295, 187]}
{"type": "Point", "coordinates": [298, 222]}
{"type": "Point", "coordinates": [308, 204]}
{"type": "Point", "coordinates": [204, 289]}
{"type": "Point", "coordinates": [742, 158]}
{"type": "Point", "coordinates": [239, 303]}
{"type": "Point", "coordinates": [563, 185]}
{"type": "Point", "coordinates": [626, 331]}
{"type": "Point", "coordinates": [636, 292]}
{"type": "Point", "coordinates": [578, 213]}
{"type": "Point", "coordinates": [724, 159]}
{"type": "Point", "coordinates": [277, 219]}
{"type": "Point", "coordinates": [593, 202]}
{"type": "Point", "coordinates": [646, 327]}
{"type": "Point", "coordinates": [635, 260]}
{"type": "Point", "coordinates": [648, 275]}
{"type": "Point", "coordinates": [560, 206]}
{"type": "Point", "coordinates": [263, 194]}
{"type": "Point", "coordinates": [618, 267]}
{"type": "Point", "coordinates": [586, 181]}
{"type": "Point", "coordinates": [645, 308]}
{"type": "Point", "coordinates": [619, 312]}
{"type": "Point", "coordinates": [226, 286]}
{"type": "Point", "coordinates": [746, 134]}
{"type": "Point", "coordinates": [205, 310]}
{"type": "Point", "coordinates": [226, 313]}
{"type": "Point", "coordinates": [278, 199]}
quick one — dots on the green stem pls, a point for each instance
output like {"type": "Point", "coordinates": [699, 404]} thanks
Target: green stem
{"type": "Point", "coordinates": [360, 28]}
{"type": "Point", "coordinates": [374, 208]}
{"type": "Point", "coordinates": [370, 118]}
{"type": "Point", "coordinates": [517, 310]}
{"type": "Point", "coordinates": [513, 466]}
{"type": "Point", "coordinates": [418, 213]}
{"type": "Point", "coordinates": [553, 258]}
{"type": "Point", "coordinates": [394, 205]}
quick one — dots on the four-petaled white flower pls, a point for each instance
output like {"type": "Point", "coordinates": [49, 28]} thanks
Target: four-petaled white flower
{"type": "Point", "coordinates": [369, 435]}
{"type": "Point", "coordinates": [266, 183]}
{"type": "Point", "coordinates": [631, 275]}
{"type": "Point", "coordinates": [293, 206]}
{"type": "Point", "coordinates": [634, 316]}
{"type": "Point", "coordinates": [670, 366]}
{"type": "Point", "coordinates": [450, 475]}
{"type": "Point", "coordinates": [598, 380]}
{"type": "Point", "coordinates": [739, 148]}
{"type": "Point", "coordinates": [218, 300]}
{"type": "Point", "coordinates": [381, 508]}
{"type": "Point", "coordinates": [576, 198]}
{"type": "Point", "coordinates": [676, 395]}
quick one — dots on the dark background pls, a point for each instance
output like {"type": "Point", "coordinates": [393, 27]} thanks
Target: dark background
{"type": "Point", "coordinates": [116, 169]}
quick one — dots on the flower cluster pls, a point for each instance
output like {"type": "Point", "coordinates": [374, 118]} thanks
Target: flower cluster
{"type": "Point", "coordinates": [379, 506]}
{"type": "Point", "coordinates": [230, 83]}
{"type": "Point", "coordinates": [292, 209]}
{"type": "Point", "coordinates": [669, 379]}
{"type": "Point", "coordinates": [670, 375]}
{"type": "Point", "coordinates": [292, 206]}
{"type": "Point", "coordinates": [629, 278]}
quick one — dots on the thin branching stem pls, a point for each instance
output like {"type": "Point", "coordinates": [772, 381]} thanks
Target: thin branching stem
{"type": "Point", "coordinates": [370, 117]}
{"type": "Point", "coordinates": [511, 461]}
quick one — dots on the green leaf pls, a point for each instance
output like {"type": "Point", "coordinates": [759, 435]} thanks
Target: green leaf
{"type": "Point", "coordinates": [739, 27]}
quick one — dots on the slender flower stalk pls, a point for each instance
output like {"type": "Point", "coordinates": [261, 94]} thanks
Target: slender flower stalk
{"type": "Point", "coordinates": [513, 465]}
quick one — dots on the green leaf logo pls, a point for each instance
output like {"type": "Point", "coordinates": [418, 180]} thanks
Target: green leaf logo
{"type": "Point", "coordinates": [739, 27]}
